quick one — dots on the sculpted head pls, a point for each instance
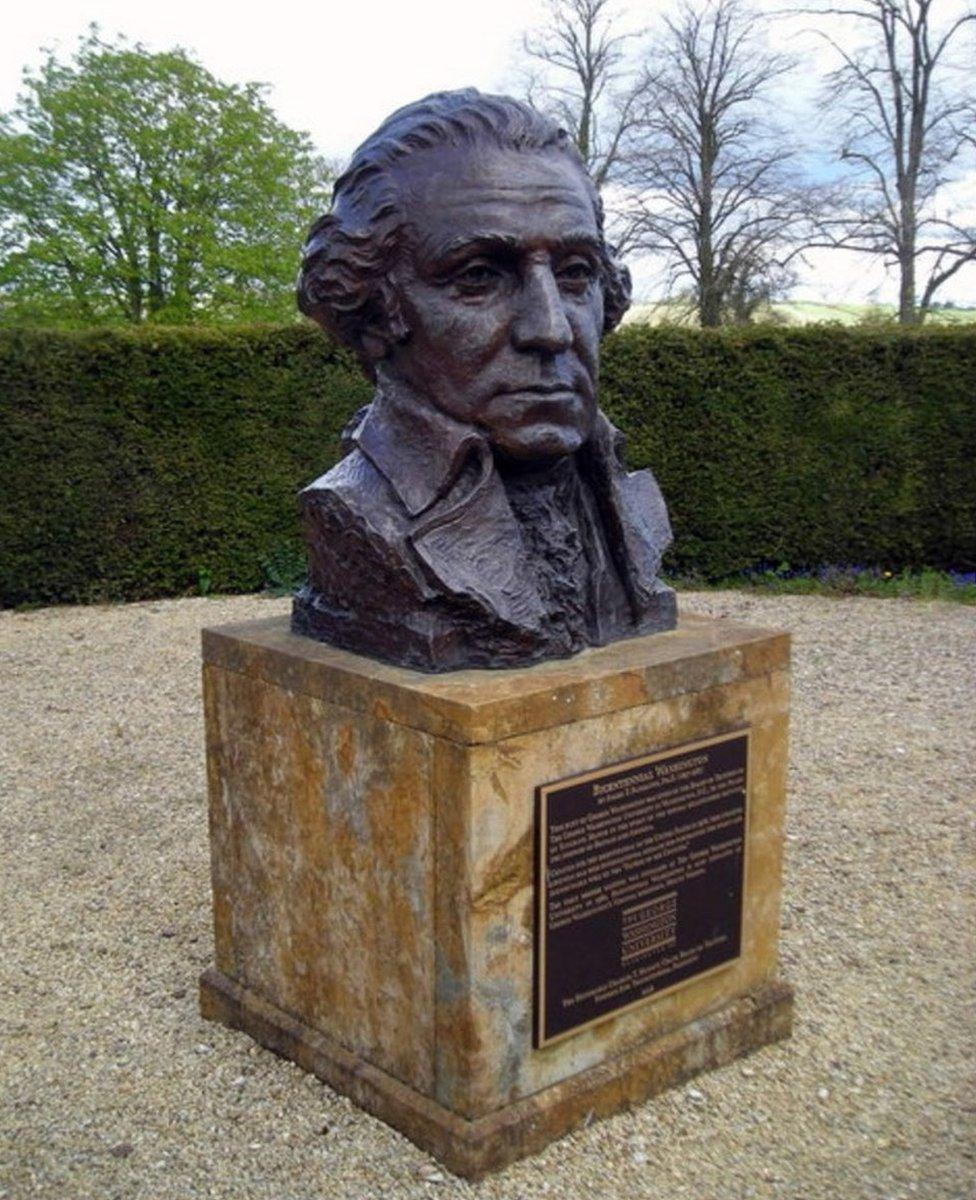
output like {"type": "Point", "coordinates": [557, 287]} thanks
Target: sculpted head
{"type": "Point", "coordinates": [464, 261]}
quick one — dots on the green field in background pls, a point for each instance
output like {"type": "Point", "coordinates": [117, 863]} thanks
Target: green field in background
{"type": "Point", "coordinates": [803, 312]}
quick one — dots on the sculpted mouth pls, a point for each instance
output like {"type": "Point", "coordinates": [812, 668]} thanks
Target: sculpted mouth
{"type": "Point", "coordinates": [538, 389]}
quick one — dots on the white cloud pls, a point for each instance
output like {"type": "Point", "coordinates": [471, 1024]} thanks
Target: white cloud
{"type": "Point", "coordinates": [336, 69]}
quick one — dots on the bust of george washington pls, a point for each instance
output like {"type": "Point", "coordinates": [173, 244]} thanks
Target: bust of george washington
{"type": "Point", "coordinates": [482, 516]}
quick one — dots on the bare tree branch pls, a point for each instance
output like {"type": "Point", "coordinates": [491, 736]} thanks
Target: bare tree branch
{"type": "Point", "coordinates": [589, 87]}
{"type": "Point", "coordinates": [903, 130]}
{"type": "Point", "coordinates": [713, 183]}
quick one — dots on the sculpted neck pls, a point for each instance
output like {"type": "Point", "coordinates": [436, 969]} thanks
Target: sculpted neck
{"type": "Point", "coordinates": [544, 472]}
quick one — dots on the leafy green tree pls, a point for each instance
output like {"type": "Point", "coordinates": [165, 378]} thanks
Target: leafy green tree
{"type": "Point", "coordinates": [135, 186]}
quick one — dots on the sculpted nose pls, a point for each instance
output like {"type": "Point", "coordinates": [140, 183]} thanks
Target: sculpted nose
{"type": "Point", "coordinates": [540, 323]}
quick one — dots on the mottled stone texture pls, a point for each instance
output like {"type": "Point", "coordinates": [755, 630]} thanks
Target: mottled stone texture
{"type": "Point", "coordinates": [323, 866]}
{"type": "Point", "coordinates": [372, 838]}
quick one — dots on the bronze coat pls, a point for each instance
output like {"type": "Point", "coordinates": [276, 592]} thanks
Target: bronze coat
{"type": "Point", "coordinates": [415, 556]}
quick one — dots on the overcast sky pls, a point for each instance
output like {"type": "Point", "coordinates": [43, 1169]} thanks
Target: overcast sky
{"type": "Point", "coordinates": [337, 69]}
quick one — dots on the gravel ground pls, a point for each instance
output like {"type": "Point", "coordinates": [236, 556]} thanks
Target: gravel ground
{"type": "Point", "coordinates": [111, 1085]}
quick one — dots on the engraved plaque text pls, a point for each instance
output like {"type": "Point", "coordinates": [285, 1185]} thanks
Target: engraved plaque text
{"type": "Point", "coordinates": [639, 880]}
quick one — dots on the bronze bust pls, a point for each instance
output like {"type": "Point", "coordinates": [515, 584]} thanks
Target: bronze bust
{"type": "Point", "coordinates": [482, 516]}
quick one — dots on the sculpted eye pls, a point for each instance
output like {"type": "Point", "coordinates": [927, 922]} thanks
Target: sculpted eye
{"type": "Point", "coordinates": [575, 274]}
{"type": "Point", "coordinates": [477, 277]}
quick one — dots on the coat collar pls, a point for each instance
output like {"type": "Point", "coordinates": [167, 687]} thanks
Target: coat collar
{"type": "Point", "coordinates": [421, 451]}
{"type": "Point", "coordinates": [416, 447]}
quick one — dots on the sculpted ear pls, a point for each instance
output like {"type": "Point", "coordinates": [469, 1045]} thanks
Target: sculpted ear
{"type": "Point", "coordinates": [617, 288]}
{"type": "Point", "coordinates": [383, 326]}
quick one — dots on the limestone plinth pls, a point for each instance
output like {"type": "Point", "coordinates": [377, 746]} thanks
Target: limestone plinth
{"type": "Point", "coordinates": [372, 833]}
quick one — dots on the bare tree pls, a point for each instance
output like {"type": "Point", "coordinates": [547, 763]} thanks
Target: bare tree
{"type": "Point", "coordinates": [585, 82]}
{"type": "Point", "coordinates": [904, 126]}
{"type": "Point", "coordinates": [713, 185]}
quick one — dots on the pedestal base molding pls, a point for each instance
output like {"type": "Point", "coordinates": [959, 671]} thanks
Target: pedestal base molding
{"type": "Point", "coordinates": [473, 1148]}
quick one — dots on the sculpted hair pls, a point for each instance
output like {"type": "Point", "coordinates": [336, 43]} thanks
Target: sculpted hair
{"type": "Point", "coordinates": [344, 282]}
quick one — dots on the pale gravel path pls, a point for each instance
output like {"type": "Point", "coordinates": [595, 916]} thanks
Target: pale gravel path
{"type": "Point", "coordinates": [111, 1085]}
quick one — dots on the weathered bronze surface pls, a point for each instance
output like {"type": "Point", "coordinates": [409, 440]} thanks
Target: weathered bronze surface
{"type": "Point", "coordinates": [482, 515]}
{"type": "Point", "coordinates": [639, 880]}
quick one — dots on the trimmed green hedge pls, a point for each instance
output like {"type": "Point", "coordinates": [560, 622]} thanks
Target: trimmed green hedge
{"type": "Point", "coordinates": [807, 446]}
{"type": "Point", "coordinates": [157, 462]}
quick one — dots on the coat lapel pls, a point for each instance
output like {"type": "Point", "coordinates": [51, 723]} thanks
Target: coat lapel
{"type": "Point", "coordinates": [471, 546]}
{"type": "Point", "coordinates": [461, 526]}
{"type": "Point", "coordinates": [634, 515]}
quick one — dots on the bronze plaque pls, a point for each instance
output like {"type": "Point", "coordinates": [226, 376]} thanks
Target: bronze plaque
{"type": "Point", "coordinates": [639, 880]}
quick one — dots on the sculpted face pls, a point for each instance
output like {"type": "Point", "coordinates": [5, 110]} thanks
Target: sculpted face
{"type": "Point", "coordinates": [499, 285]}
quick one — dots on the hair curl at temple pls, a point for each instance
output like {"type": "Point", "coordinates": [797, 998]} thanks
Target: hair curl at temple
{"type": "Point", "coordinates": [344, 282]}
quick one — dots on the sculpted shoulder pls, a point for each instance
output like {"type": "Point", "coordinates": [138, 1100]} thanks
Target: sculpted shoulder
{"type": "Point", "coordinates": [357, 487]}
{"type": "Point", "coordinates": [351, 476]}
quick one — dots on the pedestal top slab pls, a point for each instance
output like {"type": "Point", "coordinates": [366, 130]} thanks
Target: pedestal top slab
{"type": "Point", "coordinates": [475, 706]}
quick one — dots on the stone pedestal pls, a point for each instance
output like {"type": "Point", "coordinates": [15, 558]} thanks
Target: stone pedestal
{"type": "Point", "coordinates": [374, 872]}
